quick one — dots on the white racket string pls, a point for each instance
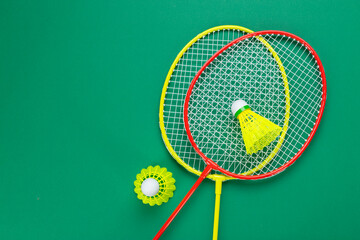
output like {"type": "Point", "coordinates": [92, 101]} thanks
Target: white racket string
{"type": "Point", "coordinates": [248, 70]}
{"type": "Point", "coordinates": [187, 67]}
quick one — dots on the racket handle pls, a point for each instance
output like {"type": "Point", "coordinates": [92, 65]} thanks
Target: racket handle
{"type": "Point", "coordinates": [203, 175]}
{"type": "Point", "coordinates": [218, 185]}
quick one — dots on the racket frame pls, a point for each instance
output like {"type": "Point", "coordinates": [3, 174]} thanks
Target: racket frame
{"type": "Point", "coordinates": [167, 143]}
{"type": "Point", "coordinates": [210, 162]}
{"type": "Point", "coordinates": [212, 165]}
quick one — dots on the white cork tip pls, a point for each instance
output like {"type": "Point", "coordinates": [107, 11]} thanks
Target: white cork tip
{"type": "Point", "coordinates": [237, 105]}
{"type": "Point", "coordinates": [150, 187]}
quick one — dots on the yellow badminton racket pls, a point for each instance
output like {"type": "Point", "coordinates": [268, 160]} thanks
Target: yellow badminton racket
{"type": "Point", "coordinates": [188, 62]}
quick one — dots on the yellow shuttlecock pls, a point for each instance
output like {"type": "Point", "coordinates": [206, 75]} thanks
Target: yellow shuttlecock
{"type": "Point", "coordinates": [258, 132]}
{"type": "Point", "coordinates": [154, 185]}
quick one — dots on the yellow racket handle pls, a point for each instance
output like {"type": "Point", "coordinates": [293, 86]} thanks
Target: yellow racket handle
{"type": "Point", "coordinates": [218, 185]}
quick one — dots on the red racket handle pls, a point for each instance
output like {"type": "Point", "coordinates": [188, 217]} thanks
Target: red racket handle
{"type": "Point", "coordinates": [203, 175]}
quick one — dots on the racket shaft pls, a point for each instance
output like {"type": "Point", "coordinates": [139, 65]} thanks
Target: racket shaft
{"type": "Point", "coordinates": [218, 185]}
{"type": "Point", "coordinates": [203, 175]}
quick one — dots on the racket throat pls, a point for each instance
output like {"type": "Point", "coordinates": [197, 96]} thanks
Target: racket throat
{"type": "Point", "coordinates": [206, 171]}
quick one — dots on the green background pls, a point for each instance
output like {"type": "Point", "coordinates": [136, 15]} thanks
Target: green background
{"type": "Point", "coordinates": [80, 85]}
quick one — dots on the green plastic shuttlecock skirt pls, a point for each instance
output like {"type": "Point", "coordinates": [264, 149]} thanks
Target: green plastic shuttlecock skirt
{"type": "Point", "coordinates": [166, 185]}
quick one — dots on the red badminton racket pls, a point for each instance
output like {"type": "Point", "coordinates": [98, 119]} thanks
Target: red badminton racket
{"type": "Point", "coordinates": [282, 79]}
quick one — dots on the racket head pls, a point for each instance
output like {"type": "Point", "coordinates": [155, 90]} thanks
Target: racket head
{"type": "Point", "coordinates": [181, 73]}
{"type": "Point", "coordinates": [305, 75]}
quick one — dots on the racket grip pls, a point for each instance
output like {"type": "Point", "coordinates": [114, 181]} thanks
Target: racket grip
{"type": "Point", "coordinates": [203, 175]}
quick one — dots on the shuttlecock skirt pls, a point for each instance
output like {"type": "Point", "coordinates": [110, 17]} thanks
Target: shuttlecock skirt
{"type": "Point", "coordinates": [258, 132]}
{"type": "Point", "coordinates": [166, 185]}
